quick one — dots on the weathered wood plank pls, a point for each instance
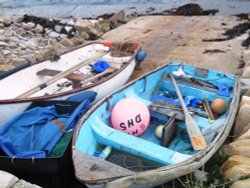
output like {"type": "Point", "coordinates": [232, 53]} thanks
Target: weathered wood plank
{"type": "Point", "coordinates": [90, 169]}
{"type": "Point", "coordinates": [71, 76]}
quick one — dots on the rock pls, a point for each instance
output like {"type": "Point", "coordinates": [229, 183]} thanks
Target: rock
{"type": "Point", "coordinates": [39, 28]}
{"type": "Point", "coordinates": [6, 52]}
{"type": "Point", "coordinates": [1, 26]}
{"type": "Point", "coordinates": [53, 34]}
{"type": "Point", "coordinates": [237, 171]}
{"type": "Point", "coordinates": [49, 51]}
{"type": "Point", "coordinates": [24, 184]}
{"type": "Point", "coordinates": [58, 28]}
{"type": "Point", "coordinates": [39, 56]}
{"type": "Point", "coordinates": [63, 36]}
{"type": "Point", "coordinates": [6, 20]}
{"type": "Point", "coordinates": [87, 27]}
{"type": "Point", "coordinates": [18, 19]}
{"type": "Point", "coordinates": [28, 26]}
{"type": "Point", "coordinates": [246, 72]}
{"type": "Point", "coordinates": [84, 35]}
{"type": "Point", "coordinates": [68, 29]}
{"type": "Point", "coordinates": [241, 147]}
{"type": "Point", "coordinates": [30, 58]}
{"type": "Point", "coordinates": [247, 93]}
{"type": "Point", "coordinates": [60, 48]}
{"type": "Point", "coordinates": [242, 120]}
{"type": "Point", "coordinates": [3, 44]}
{"type": "Point", "coordinates": [245, 100]}
{"type": "Point", "coordinates": [67, 42]}
{"type": "Point", "coordinates": [236, 167]}
{"type": "Point", "coordinates": [104, 25]}
{"type": "Point", "coordinates": [81, 25]}
{"type": "Point", "coordinates": [118, 18]}
{"type": "Point", "coordinates": [7, 180]}
{"type": "Point", "coordinates": [245, 133]}
{"type": "Point", "coordinates": [18, 61]}
{"type": "Point", "coordinates": [241, 184]}
{"type": "Point", "coordinates": [77, 40]}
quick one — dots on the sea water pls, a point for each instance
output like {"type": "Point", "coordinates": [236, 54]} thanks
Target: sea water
{"type": "Point", "coordinates": [93, 8]}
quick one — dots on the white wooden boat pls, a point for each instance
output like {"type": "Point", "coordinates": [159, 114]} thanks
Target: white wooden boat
{"type": "Point", "coordinates": [145, 160]}
{"type": "Point", "coordinates": [70, 74]}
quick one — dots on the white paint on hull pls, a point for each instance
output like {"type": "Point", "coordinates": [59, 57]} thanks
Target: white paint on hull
{"type": "Point", "coordinates": [10, 110]}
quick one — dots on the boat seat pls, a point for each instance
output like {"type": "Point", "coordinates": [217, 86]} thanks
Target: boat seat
{"type": "Point", "coordinates": [72, 76]}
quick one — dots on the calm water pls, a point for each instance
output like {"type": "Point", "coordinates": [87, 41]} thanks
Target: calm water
{"type": "Point", "coordinates": [93, 8]}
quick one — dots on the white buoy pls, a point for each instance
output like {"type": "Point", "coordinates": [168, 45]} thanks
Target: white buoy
{"type": "Point", "coordinates": [158, 131]}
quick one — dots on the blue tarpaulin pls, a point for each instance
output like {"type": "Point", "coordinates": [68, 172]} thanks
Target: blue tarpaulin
{"type": "Point", "coordinates": [35, 132]}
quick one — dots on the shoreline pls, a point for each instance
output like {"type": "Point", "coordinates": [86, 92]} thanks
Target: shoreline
{"type": "Point", "coordinates": [92, 11]}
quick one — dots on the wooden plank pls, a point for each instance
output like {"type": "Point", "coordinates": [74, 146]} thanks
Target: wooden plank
{"type": "Point", "coordinates": [91, 169]}
{"type": "Point", "coordinates": [71, 76]}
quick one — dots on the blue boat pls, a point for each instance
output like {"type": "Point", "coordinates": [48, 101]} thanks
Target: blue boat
{"type": "Point", "coordinates": [106, 156]}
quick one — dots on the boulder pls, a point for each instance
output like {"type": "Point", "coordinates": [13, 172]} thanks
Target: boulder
{"type": "Point", "coordinates": [246, 72]}
{"type": "Point", "coordinates": [67, 42]}
{"type": "Point", "coordinates": [245, 133]}
{"type": "Point", "coordinates": [60, 48]}
{"type": "Point", "coordinates": [6, 20]}
{"type": "Point", "coordinates": [3, 44]}
{"type": "Point", "coordinates": [53, 34]}
{"type": "Point", "coordinates": [241, 184]}
{"type": "Point", "coordinates": [118, 18]}
{"type": "Point", "coordinates": [18, 61]}
{"type": "Point", "coordinates": [1, 26]}
{"type": "Point", "coordinates": [245, 100]}
{"type": "Point", "coordinates": [7, 180]}
{"type": "Point", "coordinates": [77, 40]}
{"type": "Point", "coordinates": [6, 52]}
{"type": "Point", "coordinates": [235, 160]}
{"type": "Point", "coordinates": [242, 120]}
{"type": "Point", "coordinates": [58, 28]}
{"type": "Point", "coordinates": [239, 147]}
{"type": "Point", "coordinates": [18, 19]}
{"type": "Point", "coordinates": [104, 25]}
{"type": "Point", "coordinates": [39, 56]}
{"type": "Point", "coordinates": [28, 26]}
{"type": "Point", "coordinates": [39, 28]}
{"type": "Point", "coordinates": [247, 92]}
{"type": "Point", "coordinates": [87, 27]}
{"type": "Point", "coordinates": [237, 171]}
{"type": "Point", "coordinates": [49, 51]}
{"type": "Point", "coordinates": [84, 35]}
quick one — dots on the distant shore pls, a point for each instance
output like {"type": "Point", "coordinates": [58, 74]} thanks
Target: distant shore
{"type": "Point", "coordinates": [71, 9]}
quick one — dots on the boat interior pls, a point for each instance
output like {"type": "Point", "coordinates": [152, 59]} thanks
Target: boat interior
{"type": "Point", "coordinates": [80, 76]}
{"type": "Point", "coordinates": [155, 90]}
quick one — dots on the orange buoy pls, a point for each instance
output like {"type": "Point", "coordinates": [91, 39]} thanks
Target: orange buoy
{"type": "Point", "coordinates": [219, 106]}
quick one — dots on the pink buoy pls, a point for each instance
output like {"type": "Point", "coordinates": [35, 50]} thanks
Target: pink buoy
{"type": "Point", "coordinates": [131, 116]}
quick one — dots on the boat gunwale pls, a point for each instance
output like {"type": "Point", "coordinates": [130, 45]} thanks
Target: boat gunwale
{"type": "Point", "coordinates": [65, 93]}
{"type": "Point", "coordinates": [195, 159]}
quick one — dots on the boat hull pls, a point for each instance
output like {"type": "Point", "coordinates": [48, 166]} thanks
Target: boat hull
{"type": "Point", "coordinates": [11, 107]}
{"type": "Point", "coordinates": [95, 124]}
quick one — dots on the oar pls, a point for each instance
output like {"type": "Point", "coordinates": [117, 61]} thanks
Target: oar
{"type": "Point", "coordinates": [197, 140]}
{"type": "Point", "coordinates": [61, 75]}
{"type": "Point", "coordinates": [107, 71]}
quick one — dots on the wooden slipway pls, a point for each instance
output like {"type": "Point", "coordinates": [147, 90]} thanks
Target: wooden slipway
{"type": "Point", "coordinates": [168, 38]}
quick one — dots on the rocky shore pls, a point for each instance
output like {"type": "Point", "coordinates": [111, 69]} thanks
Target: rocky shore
{"type": "Point", "coordinates": [29, 39]}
